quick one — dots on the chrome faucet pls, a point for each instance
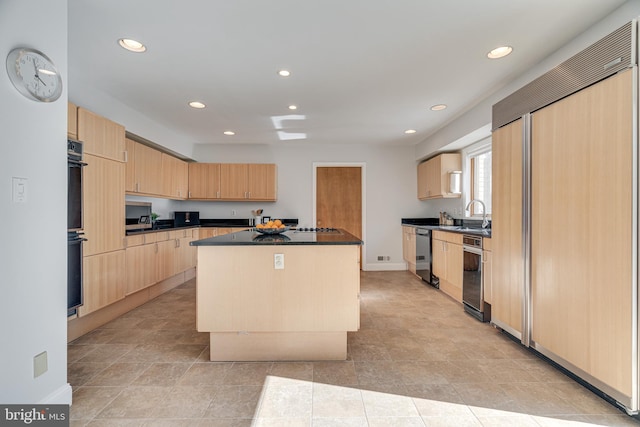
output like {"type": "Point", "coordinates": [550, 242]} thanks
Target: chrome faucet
{"type": "Point", "coordinates": [485, 222]}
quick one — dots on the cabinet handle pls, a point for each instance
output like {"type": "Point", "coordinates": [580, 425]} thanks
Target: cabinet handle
{"type": "Point", "coordinates": [218, 194]}
{"type": "Point", "coordinates": [249, 194]}
{"type": "Point", "coordinates": [189, 194]}
{"type": "Point", "coordinates": [156, 248]}
{"type": "Point", "coordinates": [137, 187]}
{"type": "Point", "coordinates": [124, 242]}
{"type": "Point", "coordinates": [126, 157]}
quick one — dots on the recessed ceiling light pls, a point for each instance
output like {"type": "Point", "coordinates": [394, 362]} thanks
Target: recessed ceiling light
{"type": "Point", "coordinates": [499, 52]}
{"type": "Point", "coordinates": [410, 131]}
{"type": "Point", "coordinates": [196, 104]}
{"type": "Point", "coordinates": [132, 45]}
{"type": "Point", "coordinates": [229, 132]}
{"type": "Point", "coordinates": [438, 107]}
{"type": "Point", "coordinates": [284, 73]}
{"type": "Point", "coordinates": [293, 107]}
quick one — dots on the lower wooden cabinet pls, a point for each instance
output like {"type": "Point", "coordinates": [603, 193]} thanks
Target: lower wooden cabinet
{"type": "Point", "coordinates": [409, 247]}
{"type": "Point", "coordinates": [104, 280]}
{"type": "Point", "coordinates": [448, 258]}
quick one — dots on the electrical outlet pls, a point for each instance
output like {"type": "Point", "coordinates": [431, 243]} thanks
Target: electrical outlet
{"type": "Point", "coordinates": [40, 365]}
{"type": "Point", "coordinates": [233, 212]}
{"type": "Point", "coordinates": [380, 258]}
{"type": "Point", "coordinates": [278, 261]}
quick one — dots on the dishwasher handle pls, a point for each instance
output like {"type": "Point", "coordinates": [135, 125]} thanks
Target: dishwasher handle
{"type": "Point", "coordinates": [422, 232]}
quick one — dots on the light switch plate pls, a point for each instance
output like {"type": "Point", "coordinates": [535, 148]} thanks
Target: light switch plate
{"type": "Point", "coordinates": [278, 261]}
{"type": "Point", "coordinates": [19, 190]}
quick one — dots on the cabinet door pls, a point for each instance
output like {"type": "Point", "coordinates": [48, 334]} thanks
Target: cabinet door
{"type": "Point", "coordinates": [165, 259]}
{"type": "Point", "coordinates": [422, 181]}
{"type": "Point", "coordinates": [433, 177]}
{"type": "Point", "coordinates": [207, 232]}
{"type": "Point", "coordinates": [130, 167]}
{"type": "Point", "coordinates": [506, 233]}
{"type": "Point", "coordinates": [582, 238]}
{"type": "Point", "coordinates": [103, 280]}
{"type": "Point", "coordinates": [72, 121]}
{"type": "Point", "coordinates": [175, 177]}
{"type": "Point", "coordinates": [103, 194]}
{"type": "Point", "coordinates": [148, 170]}
{"type": "Point", "coordinates": [439, 258]}
{"type": "Point", "coordinates": [204, 180]}
{"type": "Point", "coordinates": [141, 267]}
{"type": "Point", "coordinates": [454, 270]}
{"type": "Point", "coordinates": [262, 181]}
{"type": "Point", "coordinates": [233, 181]}
{"type": "Point", "coordinates": [101, 136]}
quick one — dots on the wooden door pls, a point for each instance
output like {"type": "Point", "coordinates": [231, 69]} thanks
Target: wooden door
{"type": "Point", "coordinates": [175, 177]}
{"type": "Point", "coordinates": [148, 169]}
{"type": "Point", "coordinates": [582, 244]}
{"type": "Point", "coordinates": [104, 280]}
{"type": "Point", "coordinates": [339, 198]}
{"type": "Point", "coordinates": [141, 267]}
{"type": "Point", "coordinates": [506, 232]}
{"type": "Point", "coordinates": [130, 167]}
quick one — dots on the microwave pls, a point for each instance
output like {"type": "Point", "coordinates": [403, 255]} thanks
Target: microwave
{"type": "Point", "coordinates": [138, 215]}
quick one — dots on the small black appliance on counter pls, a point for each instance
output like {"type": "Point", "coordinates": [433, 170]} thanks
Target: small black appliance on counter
{"type": "Point", "coordinates": [186, 219]}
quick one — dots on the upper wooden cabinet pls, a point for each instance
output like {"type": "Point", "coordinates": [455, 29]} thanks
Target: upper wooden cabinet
{"type": "Point", "coordinates": [72, 120]}
{"type": "Point", "coordinates": [233, 181]}
{"type": "Point", "coordinates": [433, 176]}
{"type": "Point", "coordinates": [101, 136]}
{"type": "Point", "coordinates": [204, 180]}
{"type": "Point", "coordinates": [175, 177]}
{"type": "Point", "coordinates": [144, 169]}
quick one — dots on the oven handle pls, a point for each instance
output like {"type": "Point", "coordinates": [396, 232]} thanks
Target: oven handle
{"type": "Point", "coordinates": [76, 163]}
{"type": "Point", "coordinates": [472, 250]}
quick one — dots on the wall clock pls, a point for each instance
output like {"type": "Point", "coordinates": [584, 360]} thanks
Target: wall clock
{"type": "Point", "coordinates": [34, 75]}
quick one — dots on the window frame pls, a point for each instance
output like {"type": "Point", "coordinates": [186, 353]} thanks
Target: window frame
{"type": "Point", "coordinates": [481, 147]}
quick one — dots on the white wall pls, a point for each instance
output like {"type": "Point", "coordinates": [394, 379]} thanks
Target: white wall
{"type": "Point", "coordinates": [480, 116]}
{"type": "Point", "coordinates": [33, 255]}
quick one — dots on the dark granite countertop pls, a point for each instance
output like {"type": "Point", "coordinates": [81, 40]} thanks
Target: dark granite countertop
{"type": "Point", "coordinates": [168, 224]}
{"type": "Point", "coordinates": [472, 227]}
{"type": "Point", "coordinates": [290, 237]}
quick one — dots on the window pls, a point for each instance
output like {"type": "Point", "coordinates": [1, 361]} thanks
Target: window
{"type": "Point", "coordinates": [478, 158]}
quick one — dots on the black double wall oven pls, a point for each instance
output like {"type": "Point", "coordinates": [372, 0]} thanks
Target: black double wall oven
{"type": "Point", "coordinates": [75, 234]}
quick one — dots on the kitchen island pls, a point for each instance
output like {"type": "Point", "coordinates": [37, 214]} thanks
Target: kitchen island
{"type": "Point", "coordinates": [291, 296]}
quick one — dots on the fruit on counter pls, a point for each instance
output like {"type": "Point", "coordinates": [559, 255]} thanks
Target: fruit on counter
{"type": "Point", "coordinates": [272, 224]}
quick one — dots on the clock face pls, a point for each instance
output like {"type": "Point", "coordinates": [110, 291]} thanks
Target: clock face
{"type": "Point", "coordinates": [34, 75]}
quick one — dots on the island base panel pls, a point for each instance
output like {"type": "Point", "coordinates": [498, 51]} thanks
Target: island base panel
{"type": "Point", "coordinates": [275, 346]}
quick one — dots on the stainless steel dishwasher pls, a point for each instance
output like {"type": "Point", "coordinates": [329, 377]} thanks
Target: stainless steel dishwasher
{"type": "Point", "coordinates": [423, 257]}
{"type": "Point", "coordinates": [472, 286]}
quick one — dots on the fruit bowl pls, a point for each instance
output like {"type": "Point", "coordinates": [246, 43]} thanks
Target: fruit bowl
{"type": "Point", "coordinates": [271, 230]}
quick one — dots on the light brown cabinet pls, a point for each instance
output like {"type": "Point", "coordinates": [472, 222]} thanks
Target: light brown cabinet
{"type": "Point", "coordinates": [506, 233]}
{"type": "Point", "coordinates": [72, 120]}
{"type": "Point", "coordinates": [144, 174]}
{"type": "Point", "coordinates": [448, 258]}
{"type": "Point", "coordinates": [433, 176]}
{"type": "Point", "coordinates": [409, 247]}
{"type": "Point", "coordinates": [104, 280]}
{"type": "Point", "coordinates": [487, 263]}
{"type": "Point", "coordinates": [582, 274]}
{"type": "Point", "coordinates": [101, 136]}
{"type": "Point", "coordinates": [141, 262]}
{"type": "Point", "coordinates": [252, 181]}
{"type": "Point", "coordinates": [175, 177]}
{"type": "Point", "coordinates": [204, 181]}
{"type": "Point", "coordinates": [104, 212]}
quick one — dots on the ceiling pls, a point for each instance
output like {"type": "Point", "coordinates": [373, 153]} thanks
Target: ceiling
{"type": "Point", "coordinates": [362, 71]}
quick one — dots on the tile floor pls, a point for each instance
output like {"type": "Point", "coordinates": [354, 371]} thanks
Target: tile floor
{"type": "Point", "coordinates": [418, 360]}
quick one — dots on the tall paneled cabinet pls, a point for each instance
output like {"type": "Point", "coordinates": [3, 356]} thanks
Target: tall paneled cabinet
{"type": "Point", "coordinates": [103, 193]}
{"type": "Point", "coordinates": [565, 216]}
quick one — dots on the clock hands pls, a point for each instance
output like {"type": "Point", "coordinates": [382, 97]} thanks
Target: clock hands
{"type": "Point", "coordinates": [35, 68]}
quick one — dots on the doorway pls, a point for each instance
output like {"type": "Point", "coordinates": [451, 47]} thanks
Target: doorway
{"type": "Point", "coordinates": [339, 198]}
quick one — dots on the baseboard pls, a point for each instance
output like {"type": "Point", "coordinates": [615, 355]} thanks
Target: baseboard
{"type": "Point", "coordinates": [386, 266]}
{"type": "Point", "coordinates": [61, 396]}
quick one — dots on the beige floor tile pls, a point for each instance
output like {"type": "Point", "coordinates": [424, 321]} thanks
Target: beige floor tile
{"type": "Point", "coordinates": [162, 374]}
{"type": "Point", "coordinates": [118, 374]}
{"type": "Point", "coordinates": [330, 401]}
{"type": "Point", "coordinates": [417, 359]}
